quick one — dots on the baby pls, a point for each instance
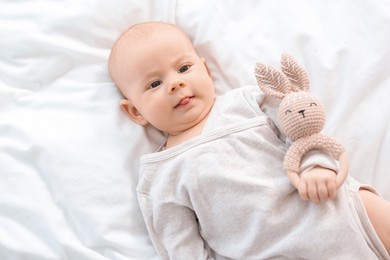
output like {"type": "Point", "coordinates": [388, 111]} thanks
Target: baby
{"type": "Point", "coordinates": [216, 188]}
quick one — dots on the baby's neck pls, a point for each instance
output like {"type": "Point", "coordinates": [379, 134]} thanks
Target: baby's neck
{"type": "Point", "coordinates": [186, 135]}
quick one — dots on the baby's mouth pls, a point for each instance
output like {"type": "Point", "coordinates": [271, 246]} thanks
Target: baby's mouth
{"type": "Point", "coordinates": [184, 101]}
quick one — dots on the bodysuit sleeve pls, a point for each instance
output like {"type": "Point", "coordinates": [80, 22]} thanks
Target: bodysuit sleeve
{"type": "Point", "coordinates": [173, 230]}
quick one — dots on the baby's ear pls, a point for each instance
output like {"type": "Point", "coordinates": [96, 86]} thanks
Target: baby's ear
{"type": "Point", "coordinates": [271, 81]}
{"type": "Point", "coordinates": [132, 112]}
{"type": "Point", "coordinates": [205, 64]}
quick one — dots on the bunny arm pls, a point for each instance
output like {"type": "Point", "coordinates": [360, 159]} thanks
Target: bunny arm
{"type": "Point", "coordinates": [321, 142]}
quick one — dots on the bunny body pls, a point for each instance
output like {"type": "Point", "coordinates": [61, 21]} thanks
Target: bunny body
{"type": "Point", "coordinates": [306, 144]}
{"type": "Point", "coordinates": [301, 116]}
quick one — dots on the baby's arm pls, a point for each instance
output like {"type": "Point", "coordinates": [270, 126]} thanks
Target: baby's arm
{"type": "Point", "coordinates": [173, 230]}
{"type": "Point", "coordinates": [317, 171]}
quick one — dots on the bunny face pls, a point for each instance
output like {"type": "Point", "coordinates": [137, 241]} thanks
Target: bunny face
{"type": "Point", "coordinates": [301, 115]}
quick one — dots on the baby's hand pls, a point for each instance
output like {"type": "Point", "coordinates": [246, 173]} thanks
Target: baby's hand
{"type": "Point", "coordinates": [318, 185]}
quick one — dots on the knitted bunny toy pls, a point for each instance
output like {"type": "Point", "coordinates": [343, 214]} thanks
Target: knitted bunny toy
{"type": "Point", "coordinates": [301, 116]}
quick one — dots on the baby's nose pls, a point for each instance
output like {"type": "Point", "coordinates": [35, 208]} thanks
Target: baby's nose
{"type": "Point", "coordinates": [175, 85]}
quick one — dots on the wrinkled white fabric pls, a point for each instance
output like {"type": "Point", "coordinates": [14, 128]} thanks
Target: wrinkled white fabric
{"type": "Point", "coordinates": [69, 158]}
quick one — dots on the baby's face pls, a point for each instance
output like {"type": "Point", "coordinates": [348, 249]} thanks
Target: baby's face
{"type": "Point", "coordinates": [167, 84]}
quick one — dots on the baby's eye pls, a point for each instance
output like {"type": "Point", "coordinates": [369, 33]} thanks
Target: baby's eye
{"type": "Point", "coordinates": [184, 68]}
{"type": "Point", "coordinates": [155, 84]}
{"type": "Point", "coordinates": [313, 104]}
{"type": "Point", "coordinates": [287, 112]}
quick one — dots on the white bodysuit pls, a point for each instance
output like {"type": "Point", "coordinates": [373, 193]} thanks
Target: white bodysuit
{"type": "Point", "coordinates": [226, 190]}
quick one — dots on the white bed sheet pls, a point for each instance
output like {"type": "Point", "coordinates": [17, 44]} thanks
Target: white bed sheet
{"type": "Point", "coordinates": [68, 155]}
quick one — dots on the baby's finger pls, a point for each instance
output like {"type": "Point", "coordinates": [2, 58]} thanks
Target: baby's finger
{"type": "Point", "coordinates": [302, 190]}
{"type": "Point", "coordinates": [312, 191]}
{"type": "Point", "coordinates": [332, 189]}
{"type": "Point", "coordinates": [323, 192]}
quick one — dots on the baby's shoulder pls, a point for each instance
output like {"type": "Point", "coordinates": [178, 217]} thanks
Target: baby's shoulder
{"type": "Point", "coordinates": [245, 95]}
{"type": "Point", "coordinates": [234, 106]}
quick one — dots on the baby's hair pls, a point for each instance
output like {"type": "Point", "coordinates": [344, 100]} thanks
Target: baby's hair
{"type": "Point", "coordinates": [135, 34]}
{"type": "Point", "coordinates": [143, 30]}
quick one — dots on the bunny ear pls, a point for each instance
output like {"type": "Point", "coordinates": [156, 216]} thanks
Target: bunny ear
{"type": "Point", "coordinates": [272, 81]}
{"type": "Point", "coordinates": [295, 73]}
